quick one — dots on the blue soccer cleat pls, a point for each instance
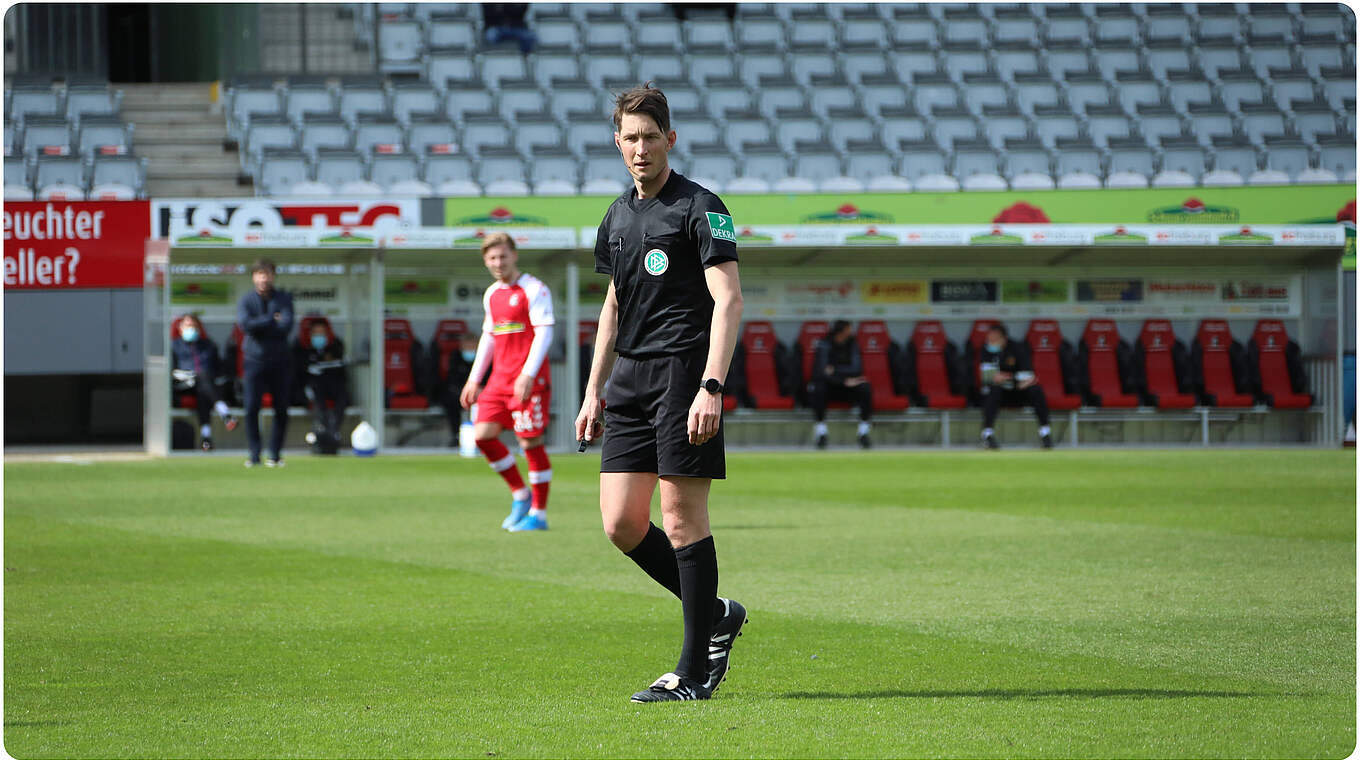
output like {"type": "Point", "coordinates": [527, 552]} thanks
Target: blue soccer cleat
{"type": "Point", "coordinates": [530, 522]}
{"type": "Point", "coordinates": [518, 509]}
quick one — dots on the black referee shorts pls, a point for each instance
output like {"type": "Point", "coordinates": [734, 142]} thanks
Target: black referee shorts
{"type": "Point", "coordinates": [646, 415]}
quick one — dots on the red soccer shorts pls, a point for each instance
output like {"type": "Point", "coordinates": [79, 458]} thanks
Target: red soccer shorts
{"type": "Point", "coordinates": [498, 404]}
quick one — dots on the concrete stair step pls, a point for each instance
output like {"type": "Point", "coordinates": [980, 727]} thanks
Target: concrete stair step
{"type": "Point", "coordinates": [194, 115]}
{"type": "Point", "coordinates": [153, 131]}
{"type": "Point", "coordinates": [196, 188]}
{"type": "Point", "coordinates": [167, 95]}
{"type": "Point", "coordinates": [206, 162]}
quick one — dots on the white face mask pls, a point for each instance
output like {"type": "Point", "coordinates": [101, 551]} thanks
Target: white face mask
{"type": "Point", "coordinates": [189, 334]}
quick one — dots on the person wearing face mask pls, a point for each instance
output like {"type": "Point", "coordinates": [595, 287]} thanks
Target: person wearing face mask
{"type": "Point", "coordinates": [323, 362]}
{"type": "Point", "coordinates": [197, 368]}
{"type": "Point", "coordinates": [1008, 378]}
{"type": "Point", "coordinates": [457, 365]}
{"type": "Point", "coordinates": [838, 375]}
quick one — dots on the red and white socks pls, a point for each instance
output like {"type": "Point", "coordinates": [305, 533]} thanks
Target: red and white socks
{"type": "Point", "coordinates": [503, 462]}
{"type": "Point", "coordinates": [540, 478]}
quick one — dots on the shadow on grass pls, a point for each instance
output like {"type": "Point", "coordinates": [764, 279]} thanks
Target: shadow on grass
{"type": "Point", "coordinates": [1026, 694]}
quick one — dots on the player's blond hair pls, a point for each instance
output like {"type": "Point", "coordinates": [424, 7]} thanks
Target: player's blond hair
{"type": "Point", "coordinates": [494, 239]}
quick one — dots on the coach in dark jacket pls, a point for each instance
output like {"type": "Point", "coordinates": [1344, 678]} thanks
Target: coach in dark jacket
{"type": "Point", "coordinates": [265, 315]}
{"type": "Point", "coordinates": [1008, 378]}
{"type": "Point", "coordinates": [838, 375]}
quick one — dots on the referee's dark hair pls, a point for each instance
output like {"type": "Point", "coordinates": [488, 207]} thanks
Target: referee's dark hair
{"type": "Point", "coordinates": [646, 100]}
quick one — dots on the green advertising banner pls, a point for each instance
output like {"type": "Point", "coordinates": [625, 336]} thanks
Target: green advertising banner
{"type": "Point", "coordinates": [200, 293]}
{"type": "Point", "coordinates": [1034, 291]}
{"type": "Point", "coordinates": [1289, 204]}
{"type": "Point", "coordinates": [409, 292]}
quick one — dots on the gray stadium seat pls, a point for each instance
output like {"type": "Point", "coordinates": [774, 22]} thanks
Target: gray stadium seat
{"type": "Point", "coordinates": [1025, 156]}
{"type": "Point", "coordinates": [746, 127]}
{"type": "Point", "coordinates": [1235, 155]}
{"type": "Point", "coordinates": [882, 91]}
{"type": "Point", "coordinates": [974, 157]}
{"type": "Point", "coordinates": [1034, 90]}
{"type": "Point", "coordinates": [846, 129]}
{"type": "Point", "coordinates": [1337, 154]}
{"type": "Point", "coordinates": [999, 129]}
{"type": "Point", "coordinates": [1015, 29]}
{"type": "Point", "coordinates": [602, 66]}
{"type": "Point", "coordinates": [357, 100]}
{"type": "Point", "coordinates": [690, 130]}
{"type": "Point", "coordinates": [451, 34]}
{"type": "Point", "coordinates": [1221, 178]}
{"type": "Point", "coordinates": [1338, 89]}
{"type": "Point", "coordinates": [761, 34]}
{"type": "Point", "coordinates": [608, 35]}
{"type": "Point", "coordinates": [414, 97]}
{"type": "Point", "coordinates": [441, 66]}
{"type": "Point", "coordinates": [103, 134]}
{"type": "Point", "coordinates": [400, 44]}
{"type": "Point", "coordinates": [264, 133]}
{"type": "Point", "coordinates": [1060, 60]}
{"type": "Point", "coordinates": [119, 170]}
{"type": "Point", "coordinates": [902, 124]}
{"type": "Point", "coordinates": [483, 132]}
{"type": "Point", "coordinates": [1157, 122]}
{"type": "Point", "coordinates": [708, 33]}
{"type": "Point", "coordinates": [360, 188]}
{"type": "Point", "coordinates": [280, 170]}
{"type": "Point", "coordinates": [1084, 181]}
{"type": "Point", "coordinates": [865, 159]}
{"type": "Point", "coordinates": [1240, 87]}
{"type": "Point", "coordinates": [711, 161]}
{"type": "Point", "coordinates": [32, 101]}
{"type": "Point", "coordinates": [961, 63]}
{"type": "Point", "coordinates": [1261, 59]}
{"type": "Point", "coordinates": [1182, 155]}
{"type": "Point", "coordinates": [440, 168]}
{"type": "Point", "coordinates": [1286, 154]}
{"type": "Point", "coordinates": [1209, 120]}
{"type": "Point", "coordinates": [911, 64]}
{"type": "Point", "coordinates": [814, 30]}
{"type": "Point", "coordinates": [1166, 23]}
{"type": "Point", "coordinates": [323, 132]}
{"type": "Point", "coordinates": [726, 94]}
{"type": "Point", "coordinates": [245, 102]}
{"type": "Point", "coordinates": [1112, 62]}
{"type": "Point", "coordinates": [1261, 119]}
{"type": "Point", "coordinates": [49, 135]}
{"type": "Point", "coordinates": [535, 130]}
{"type": "Point", "coordinates": [1211, 59]}
{"type": "Point", "coordinates": [830, 93]}
{"type": "Point", "coordinates": [1313, 119]}
{"type": "Point", "coordinates": [424, 132]}
{"type": "Point", "coordinates": [502, 65]}
{"type": "Point", "coordinates": [779, 92]}
{"type": "Point", "coordinates": [516, 96]}
{"type": "Point", "coordinates": [94, 100]}
{"type": "Point", "coordinates": [1084, 91]}
{"type": "Point", "coordinates": [557, 34]}
{"type": "Point", "coordinates": [388, 170]}
{"type": "Point", "coordinates": [1103, 124]}
{"type": "Point", "coordinates": [1135, 89]}
{"type": "Point", "coordinates": [1071, 29]}
{"type": "Point", "coordinates": [553, 163]}
{"type": "Point", "coordinates": [16, 171]}
{"type": "Point", "coordinates": [864, 33]}
{"type": "Point", "coordinates": [1080, 155]}
{"type": "Point", "coordinates": [816, 161]}
{"type": "Point", "coordinates": [807, 64]}
{"type": "Point", "coordinates": [921, 159]}
{"type": "Point", "coordinates": [302, 100]}
{"type": "Point", "coordinates": [377, 134]}
{"type": "Point", "coordinates": [985, 91]}
{"type": "Point", "coordinates": [1182, 93]}
{"type": "Point", "coordinates": [336, 167]}
{"type": "Point", "coordinates": [953, 125]}
{"type": "Point", "coordinates": [935, 91]}
{"type": "Point", "coordinates": [747, 186]}
{"type": "Point", "coordinates": [1288, 89]}
{"type": "Point", "coordinates": [52, 170]}
{"type": "Point", "coordinates": [913, 33]}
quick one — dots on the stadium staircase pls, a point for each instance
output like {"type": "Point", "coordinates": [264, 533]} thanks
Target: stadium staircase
{"type": "Point", "coordinates": [181, 133]}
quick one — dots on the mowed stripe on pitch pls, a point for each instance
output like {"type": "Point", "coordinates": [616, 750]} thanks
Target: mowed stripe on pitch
{"type": "Point", "coordinates": [174, 646]}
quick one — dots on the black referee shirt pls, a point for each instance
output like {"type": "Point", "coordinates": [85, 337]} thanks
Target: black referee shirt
{"type": "Point", "coordinates": [656, 250]}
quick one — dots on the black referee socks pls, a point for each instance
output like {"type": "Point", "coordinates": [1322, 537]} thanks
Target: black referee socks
{"type": "Point", "coordinates": [698, 566]}
{"type": "Point", "coordinates": [658, 560]}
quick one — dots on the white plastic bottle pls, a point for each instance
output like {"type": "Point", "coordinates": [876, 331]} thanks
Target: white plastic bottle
{"type": "Point", "coordinates": [467, 436]}
{"type": "Point", "coordinates": [364, 439]}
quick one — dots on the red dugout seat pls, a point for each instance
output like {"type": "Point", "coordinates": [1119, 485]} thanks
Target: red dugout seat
{"type": "Point", "coordinates": [759, 343]}
{"type": "Point", "coordinates": [399, 371]}
{"type": "Point", "coordinates": [1045, 343]}
{"type": "Point", "coordinates": [873, 349]}
{"type": "Point", "coordinates": [1100, 342]}
{"type": "Point", "coordinates": [1157, 343]}
{"type": "Point", "coordinates": [929, 344]}
{"type": "Point", "coordinates": [448, 337]}
{"type": "Point", "coordinates": [1271, 350]}
{"type": "Point", "coordinates": [1213, 352]}
{"type": "Point", "coordinates": [806, 350]}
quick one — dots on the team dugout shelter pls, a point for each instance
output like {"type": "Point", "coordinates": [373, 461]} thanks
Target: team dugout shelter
{"type": "Point", "coordinates": [1149, 332]}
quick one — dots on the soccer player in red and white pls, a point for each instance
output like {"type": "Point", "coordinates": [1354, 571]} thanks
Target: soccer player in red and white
{"type": "Point", "coordinates": [516, 334]}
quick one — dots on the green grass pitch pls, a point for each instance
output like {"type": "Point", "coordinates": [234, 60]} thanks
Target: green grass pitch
{"type": "Point", "coordinates": [1018, 604]}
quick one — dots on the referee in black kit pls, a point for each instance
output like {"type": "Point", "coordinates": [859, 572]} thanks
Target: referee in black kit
{"type": "Point", "coordinates": [670, 319]}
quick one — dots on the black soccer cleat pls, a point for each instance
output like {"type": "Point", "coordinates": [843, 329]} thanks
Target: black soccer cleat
{"type": "Point", "coordinates": [864, 441]}
{"type": "Point", "coordinates": [725, 632]}
{"type": "Point", "coordinates": [672, 688]}
{"type": "Point", "coordinates": [1046, 441]}
{"type": "Point", "coordinates": [821, 441]}
{"type": "Point", "coordinates": [989, 441]}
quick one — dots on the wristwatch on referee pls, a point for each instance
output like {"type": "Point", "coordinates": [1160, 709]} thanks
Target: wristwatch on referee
{"type": "Point", "coordinates": [713, 386]}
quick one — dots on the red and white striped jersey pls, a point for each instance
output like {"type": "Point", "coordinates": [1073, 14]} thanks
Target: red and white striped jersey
{"type": "Point", "coordinates": [512, 312]}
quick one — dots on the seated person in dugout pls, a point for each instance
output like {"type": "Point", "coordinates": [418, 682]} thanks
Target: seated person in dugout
{"type": "Point", "coordinates": [197, 369]}
{"type": "Point", "coordinates": [324, 380]}
{"type": "Point", "coordinates": [838, 375]}
{"type": "Point", "coordinates": [1008, 378]}
{"type": "Point", "coordinates": [457, 367]}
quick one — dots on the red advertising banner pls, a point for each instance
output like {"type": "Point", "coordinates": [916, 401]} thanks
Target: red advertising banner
{"type": "Point", "coordinates": [73, 244]}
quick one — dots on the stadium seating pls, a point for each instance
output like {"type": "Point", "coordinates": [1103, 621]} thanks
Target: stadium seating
{"type": "Point", "coordinates": [1275, 361]}
{"type": "Point", "coordinates": [68, 141]}
{"type": "Point", "coordinates": [1220, 367]}
{"type": "Point", "coordinates": [1108, 364]}
{"type": "Point", "coordinates": [1052, 360]}
{"type": "Point", "coordinates": [879, 355]}
{"type": "Point", "coordinates": [402, 364]}
{"type": "Point", "coordinates": [857, 81]}
{"type": "Point", "coordinates": [766, 380]}
{"type": "Point", "coordinates": [933, 356]}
